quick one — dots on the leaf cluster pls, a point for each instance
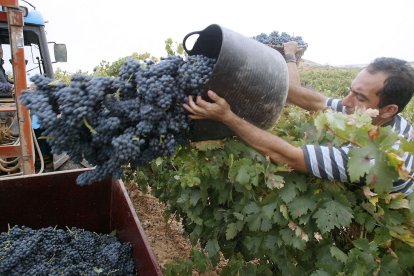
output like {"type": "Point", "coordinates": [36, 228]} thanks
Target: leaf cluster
{"type": "Point", "coordinates": [234, 201]}
{"type": "Point", "coordinates": [268, 220]}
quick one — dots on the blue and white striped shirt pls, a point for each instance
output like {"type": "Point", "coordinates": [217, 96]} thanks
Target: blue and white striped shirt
{"type": "Point", "coordinates": [331, 162]}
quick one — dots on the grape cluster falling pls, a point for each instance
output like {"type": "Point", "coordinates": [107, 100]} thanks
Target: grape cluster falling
{"type": "Point", "coordinates": [115, 121]}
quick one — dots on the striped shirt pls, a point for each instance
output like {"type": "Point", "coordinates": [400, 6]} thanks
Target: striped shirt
{"type": "Point", "coordinates": [331, 162]}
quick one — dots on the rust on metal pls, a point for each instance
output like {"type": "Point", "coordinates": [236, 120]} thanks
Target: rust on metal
{"type": "Point", "coordinates": [15, 19]}
{"type": "Point", "coordinates": [10, 151]}
{"type": "Point", "coordinates": [3, 16]}
{"type": "Point", "coordinates": [9, 3]}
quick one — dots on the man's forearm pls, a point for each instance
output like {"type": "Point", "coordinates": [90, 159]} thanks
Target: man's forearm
{"type": "Point", "coordinates": [301, 96]}
{"type": "Point", "coordinates": [294, 79]}
{"type": "Point", "coordinates": [278, 150]}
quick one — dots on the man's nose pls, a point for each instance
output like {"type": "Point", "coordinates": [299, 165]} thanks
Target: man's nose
{"type": "Point", "coordinates": [348, 101]}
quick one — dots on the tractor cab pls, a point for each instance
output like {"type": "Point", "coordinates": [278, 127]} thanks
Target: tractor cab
{"type": "Point", "coordinates": [24, 52]}
{"type": "Point", "coordinates": [37, 50]}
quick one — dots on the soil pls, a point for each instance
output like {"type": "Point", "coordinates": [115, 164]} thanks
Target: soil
{"type": "Point", "coordinates": [166, 238]}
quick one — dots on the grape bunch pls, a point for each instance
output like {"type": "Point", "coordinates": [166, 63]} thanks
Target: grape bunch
{"type": "Point", "coordinates": [115, 121]}
{"type": "Point", "coordinates": [6, 89]}
{"type": "Point", "coordinates": [52, 251]}
{"type": "Point", "coordinates": [274, 38]}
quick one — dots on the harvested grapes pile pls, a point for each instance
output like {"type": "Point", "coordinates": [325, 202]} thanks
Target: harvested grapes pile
{"type": "Point", "coordinates": [50, 251]}
{"type": "Point", "coordinates": [276, 41]}
{"type": "Point", "coordinates": [274, 38]}
{"type": "Point", "coordinates": [115, 121]}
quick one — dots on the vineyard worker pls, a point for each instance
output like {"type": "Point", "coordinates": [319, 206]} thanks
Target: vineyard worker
{"type": "Point", "coordinates": [387, 84]}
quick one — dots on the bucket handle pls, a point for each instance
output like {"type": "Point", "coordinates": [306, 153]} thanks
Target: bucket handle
{"type": "Point", "coordinates": [187, 36]}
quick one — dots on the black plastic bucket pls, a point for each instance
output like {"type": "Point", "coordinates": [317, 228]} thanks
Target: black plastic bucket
{"type": "Point", "coordinates": [251, 76]}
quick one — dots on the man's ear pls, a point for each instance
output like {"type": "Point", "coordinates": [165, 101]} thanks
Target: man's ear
{"type": "Point", "coordinates": [388, 111]}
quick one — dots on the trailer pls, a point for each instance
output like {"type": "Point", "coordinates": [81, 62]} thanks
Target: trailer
{"type": "Point", "coordinates": [54, 199]}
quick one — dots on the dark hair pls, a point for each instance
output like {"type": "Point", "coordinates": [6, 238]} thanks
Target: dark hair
{"type": "Point", "coordinates": [399, 86]}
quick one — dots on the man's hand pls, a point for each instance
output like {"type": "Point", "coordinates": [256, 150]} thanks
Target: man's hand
{"type": "Point", "coordinates": [278, 150]}
{"type": "Point", "coordinates": [218, 110]}
{"type": "Point", "coordinates": [290, 47]}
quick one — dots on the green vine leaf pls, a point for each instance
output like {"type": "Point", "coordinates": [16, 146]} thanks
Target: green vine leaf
{"type": "Point", "coordinates": [269, 209]}
{"type": "Point", "coordinates": [320, 273]}
{"type": "Point", "coordinates": [390, 266]}
{"type": "Point", "coordinates": [333, 214]}
{"type": "Point", "coordinates": [289, 237]}
{"type": "Point", "coordinates": [233, 229]}
{"type": "Point", "coordinates": [407, 146]}
{"type": "Point", "coordinates": [243, 175]}
{"type": "Point", "coordinates": [338, 254]}
{"type": "Point", "coordinates": [251, 208]}
{"type": "Point", "coordinates": [359, 163]}
{"type": "Point", "coordinates": [288, 193]}
{"type": "Point", "coordinates": [300, 206]}
{"type": "Point", "coordinates": [212, 247]}
{"type": "Point", "coordinates": [382, 175]}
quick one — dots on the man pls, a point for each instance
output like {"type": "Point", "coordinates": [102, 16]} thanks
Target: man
{"type": "Point", "coordinates": [387, 84]}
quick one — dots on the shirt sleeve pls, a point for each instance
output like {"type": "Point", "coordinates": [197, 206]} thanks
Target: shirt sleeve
{"type": "Point", "coordinates": [335, 105]}
{"type": "Point", "coordinates": [327, 162]}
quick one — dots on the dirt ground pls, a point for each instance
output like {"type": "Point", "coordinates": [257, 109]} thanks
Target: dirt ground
{"type": "Point", "coordinates": [166, 237]}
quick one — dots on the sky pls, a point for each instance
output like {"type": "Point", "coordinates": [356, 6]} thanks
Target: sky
{"type": "Point", "coordinates": [338, 32]}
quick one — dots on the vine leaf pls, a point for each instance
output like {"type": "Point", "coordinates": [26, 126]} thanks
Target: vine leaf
{"type": "Point", "coordinates": [398, 164]}
{"type": "Point", "coordinates": [289, 237]}
{"type": "Point", "coordinates": [336, 120]}
{"type": "Point", "coordinates": [212, 247]}
{"type": "Point", "coordinates": [251, 208]}
{"type": "Point", "coordinates": [288, 193]}
{"type": "Point", "coordinates": [411, 202]}
{"type": "Point", "coordinates": [259, 218]}
{"type": "Point", "coordinates": [320, 273]}
{"type": "Point", "coordinates": [233, 229]}
{"type": "Point", "coordinates": [359, 163]}
{"type": "Point", "coordinates": [338, 254]}
{"type": "Point", "coordinates": [406, 236]}
{"type": "Point", "coordinates": [300, 206]}
{"type": "Point", "coordinates": [275, 181]}
{"type": "Point", "coordinates": [390, 266]}
{"type": "Point", "coordinates": [333, 214]}
{"type": "Point", "coordinates": [407, 146]}
{"type": "Point", "coordinates": [399, 203]}
{"type": "Point", "coordinates": [382, 175]}
{"type": "Point", "coordinates": [243, 176]}
{"type": "Point", "coordinates": [269, 209]}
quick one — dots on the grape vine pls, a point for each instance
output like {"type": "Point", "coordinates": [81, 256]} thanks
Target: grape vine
{"type": "Point", "coordinates": [268, 220]}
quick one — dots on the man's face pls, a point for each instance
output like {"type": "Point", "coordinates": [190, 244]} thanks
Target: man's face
{"type": "Point", "coordinates": [364, 90]}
